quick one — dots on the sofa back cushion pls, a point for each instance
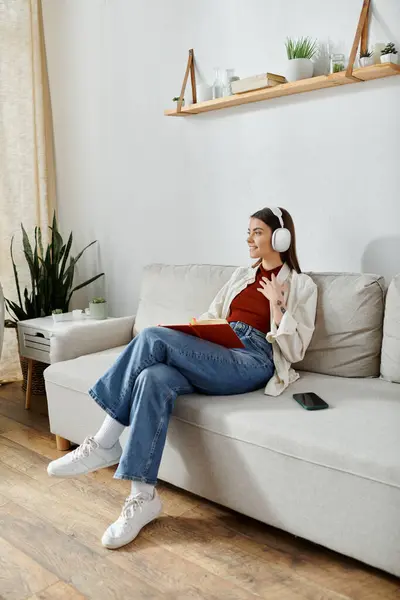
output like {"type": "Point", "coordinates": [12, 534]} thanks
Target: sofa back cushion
{"type": "Point", "coordinates": [348, 335]}
{"type": "Point", "coordinates": [348, 329]}
{"type": "Point", "coordinates": [174, 294]}
{"type": "Point", "coordinates": [390, 360]}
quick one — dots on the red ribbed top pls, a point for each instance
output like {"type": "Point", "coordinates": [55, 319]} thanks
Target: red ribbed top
{"type": "Point", "coordinates": [251, 306]}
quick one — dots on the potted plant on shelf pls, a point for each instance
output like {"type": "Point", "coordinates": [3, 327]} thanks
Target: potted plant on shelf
{"type": "Point", "coordinates": [389, 54]}
{"type": "Point", "coordinates": [51, 271]}
{"type": "Point", "coordinates": [299, 53]}
{"type": "Point", "coordinates": [366, 58]}
{"type": "Point", "coordinates": [98, 309]}
{"type": "Point", "coordinates": [176, 99]}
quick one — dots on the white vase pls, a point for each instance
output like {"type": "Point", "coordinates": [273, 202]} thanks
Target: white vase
{"type": "Point", "coordinates": [204, 92]}
{"type": "Point", "coordinates": [366, 61]}
{"type": "Point", "coordinates": [299, 68]}
{"type": "Point", "coordinates": [98, 310]}
{"type": "Point", "coordinates": [389, 58]}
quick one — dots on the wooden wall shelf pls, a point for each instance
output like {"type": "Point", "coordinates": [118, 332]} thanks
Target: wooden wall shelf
{"type": "Point", "coordinates": [287, 89]}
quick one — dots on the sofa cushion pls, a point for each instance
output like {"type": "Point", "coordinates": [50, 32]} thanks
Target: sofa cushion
{"type": "Point", "coordinates": [348, 328]}
{"type": "Point", "coordinates": [390, 360]}
{"type": "Point", "coordinates": [357, 435]}
{"type": "Point", "coordinates": [174, 294]}
{"type": "Point", "coordinates": [348, 334]}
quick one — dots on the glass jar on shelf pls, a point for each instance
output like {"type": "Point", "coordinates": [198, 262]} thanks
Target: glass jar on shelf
{"type": "Point", "coordinates": [337, 63]}
{"type": "Point", "coordinates": [218, 85]}
{"type": "Point", "coordinates": [229, 78]}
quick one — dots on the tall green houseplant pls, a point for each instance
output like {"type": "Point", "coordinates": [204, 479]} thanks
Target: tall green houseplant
{"type": "Point", "coordinates": [51, 272]}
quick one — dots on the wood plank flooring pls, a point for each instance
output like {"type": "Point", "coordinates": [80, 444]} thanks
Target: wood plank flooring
{"type": "Point", "coordinates": [50, 534]}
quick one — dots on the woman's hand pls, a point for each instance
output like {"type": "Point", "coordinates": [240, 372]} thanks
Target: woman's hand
{"type": "Point", "coordinates": [276, 294]}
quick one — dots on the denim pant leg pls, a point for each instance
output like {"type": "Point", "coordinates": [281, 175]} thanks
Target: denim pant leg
{"type": "Point", "coordinates": [153, 397]}
{"type": "Point", "coordinates": [210, 368]}
{"type": "Point", "coordinates": [135, 393]}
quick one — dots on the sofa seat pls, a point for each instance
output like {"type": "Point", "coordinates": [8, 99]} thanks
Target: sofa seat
{"type": "Point", "coordinates": [359, 434]}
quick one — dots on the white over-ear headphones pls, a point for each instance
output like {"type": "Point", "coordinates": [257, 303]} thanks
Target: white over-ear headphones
{"type": "Point", "coordinates": [281, 238]}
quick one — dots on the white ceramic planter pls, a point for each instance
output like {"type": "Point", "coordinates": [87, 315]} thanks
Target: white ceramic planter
{"type": "Point", "coordinates": [299, 68]}
{"type": "Point", "coordinates": [98, 311]}
{"type": "Point", "coordinates": [389, 58]}
{"type": "Point", "coordinates": [59, 318]}
{"type": "Point", "coordinates": [366, 61]}
{"type": "Point", "coordinates": [204, 92]}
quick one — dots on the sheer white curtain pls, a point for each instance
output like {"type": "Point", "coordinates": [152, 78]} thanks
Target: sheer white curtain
{"type": "Point", "coordinates": [27, 182]}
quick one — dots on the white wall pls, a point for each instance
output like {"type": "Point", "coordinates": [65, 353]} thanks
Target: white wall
{"type": "Point", "coordinates": [152, 188]}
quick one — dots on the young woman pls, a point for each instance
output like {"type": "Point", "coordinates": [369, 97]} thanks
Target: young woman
{"type": "Point", "coordinates": [271, 306]}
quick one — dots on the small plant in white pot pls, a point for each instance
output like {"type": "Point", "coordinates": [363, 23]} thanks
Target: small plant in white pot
{"type": "Point", "coordinates": [176, 99]}
{"type": "Point", "coordinates": [299, 53]}
{"type": "Point", "coordinates": [59, 316]}
{"type": "Point", "coordinates": [98, 308]}
{"type": "Point", "coordinates": [389, 54]}
{"type": "Point", "coordinates": [366, 58]}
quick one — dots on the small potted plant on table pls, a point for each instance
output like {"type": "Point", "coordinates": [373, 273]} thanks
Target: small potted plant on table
{"type": "Point", "coordinates": [59, 316]}
{"type": "Point", "coordinates": [98, 309]}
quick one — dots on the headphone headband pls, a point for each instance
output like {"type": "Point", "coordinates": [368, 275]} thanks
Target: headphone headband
{"type": "Point", "coordinates": [278, 213]}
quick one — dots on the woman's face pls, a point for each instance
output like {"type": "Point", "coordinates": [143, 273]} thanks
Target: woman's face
{"type": "Point", "coordinates": [259, 239]}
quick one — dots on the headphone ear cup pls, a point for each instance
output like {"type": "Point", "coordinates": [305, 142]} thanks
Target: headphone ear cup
{"type": "Point", "coordinates": [281, 239]}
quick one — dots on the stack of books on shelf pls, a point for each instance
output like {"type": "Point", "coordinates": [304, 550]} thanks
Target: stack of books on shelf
{"type": "Point", "coordinates": [257, 82]}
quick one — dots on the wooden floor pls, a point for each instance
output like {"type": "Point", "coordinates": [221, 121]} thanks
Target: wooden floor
{"type": "Point", "coordinates": [50, 534]}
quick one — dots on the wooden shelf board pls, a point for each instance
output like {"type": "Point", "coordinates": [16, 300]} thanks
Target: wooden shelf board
{"type": "Point", "coordinates": [288, 89]}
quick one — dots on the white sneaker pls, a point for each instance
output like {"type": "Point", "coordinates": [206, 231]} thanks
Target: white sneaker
{"type": "Point", "coordinates": [137, 512]}
{"type": "Point", "coordinates": [88, 457]}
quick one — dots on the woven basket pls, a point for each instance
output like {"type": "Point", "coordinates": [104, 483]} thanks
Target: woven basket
{"type": "Point", "coordinates": [38, 386]}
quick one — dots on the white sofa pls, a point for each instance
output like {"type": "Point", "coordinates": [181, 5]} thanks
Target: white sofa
{"type": "Point", "coordinates": [330, 476]}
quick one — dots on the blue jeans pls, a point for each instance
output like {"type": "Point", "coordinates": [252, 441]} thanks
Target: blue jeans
{"type": "Point", "coordinates": [159, 364]}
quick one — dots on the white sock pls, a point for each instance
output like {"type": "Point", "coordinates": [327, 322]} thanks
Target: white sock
{"type": "Point", "coordinates": [109, 433]}
{"type": "Point", "coordinates": [138, 487]}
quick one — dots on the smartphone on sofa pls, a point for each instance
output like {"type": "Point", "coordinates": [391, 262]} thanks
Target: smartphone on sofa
{"type": "Point", "coordinates": [310, 401]}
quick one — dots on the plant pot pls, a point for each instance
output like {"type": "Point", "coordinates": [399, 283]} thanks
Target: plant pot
{"type": "Point", "coordinates": [38, 385]}
{"type": "Point", "coordinates": [58, 318]}
{"type": "Point", "coordinates": [366, 61]}
{"type": "Point", "coordinates": [98, 311]}
{"type": "Point", "coordinates": [299, 68]}
{"type": "Point", "coordinates": [389, 58]}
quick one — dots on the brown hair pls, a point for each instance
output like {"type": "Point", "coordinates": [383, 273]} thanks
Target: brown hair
{"type": "Point", "coordinates": [267, 216]}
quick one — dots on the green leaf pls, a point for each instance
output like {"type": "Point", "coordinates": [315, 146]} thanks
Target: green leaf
{"type": "Point", "coordinates": [12, 307]}
{"type": "Point", "coordinates": [82, 251]}
{"type": "Point", "coordinates": [303, 47]}
{"type": "Point", "coordinates": [15, 272]}
{"type": "Point", "coordinates": [26, 244]}
{"type": "Point", "coordinates": [34, 272]}
{"type": "Point", "coordinates": [66, 254]}
{"type": "Point", "coordinates": [82, 285]}
{"type": "Point", "coordinates": [40, 242]}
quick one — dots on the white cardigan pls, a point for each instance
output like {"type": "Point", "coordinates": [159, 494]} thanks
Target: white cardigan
{"type": "Point", "coordinates": [291, 339]}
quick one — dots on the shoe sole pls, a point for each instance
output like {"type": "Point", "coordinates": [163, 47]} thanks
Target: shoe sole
{"type": "Point", "coordinates": [112, 547]}
{"type": "Point", "coordinates": [73, 475]}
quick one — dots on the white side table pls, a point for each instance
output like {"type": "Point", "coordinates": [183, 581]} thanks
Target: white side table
{"type": "Point", "coordinates": [35, 337]}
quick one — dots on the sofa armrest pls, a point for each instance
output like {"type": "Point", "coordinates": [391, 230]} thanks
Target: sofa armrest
{"type": "Point", "coordinates": [87, 337]}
